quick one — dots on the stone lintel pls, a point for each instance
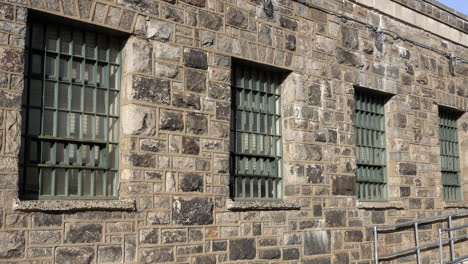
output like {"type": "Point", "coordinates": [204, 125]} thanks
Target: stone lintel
{"type": "Point", "coordinates": [74, 205]}
{"type": "Point", "coordinates": [398, 205]}
{"type": "Point", "coordinates": [455, 204]}
{"type": "Point", "coordinates": [263, 205]}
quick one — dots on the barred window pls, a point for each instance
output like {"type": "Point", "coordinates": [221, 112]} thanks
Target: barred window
{"type": "Point", "coordinates": [256, 145]}
{"type": "Point", "coordinates": [449, 155]}
{"type": "Point", "coordinates": [370, 145]}
{"type": "Point", "coordinates": [70, 113]}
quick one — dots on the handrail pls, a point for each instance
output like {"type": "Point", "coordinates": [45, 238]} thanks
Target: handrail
{"type": "Point", "coordinates": [412, 222]}
{"type": "Point", "coordinates": [418, 247]}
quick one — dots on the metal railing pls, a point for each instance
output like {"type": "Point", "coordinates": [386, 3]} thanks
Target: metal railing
{"type": "Point", "coordinates": [417, 249]}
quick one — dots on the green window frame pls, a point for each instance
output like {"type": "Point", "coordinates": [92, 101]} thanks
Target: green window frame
{"type": "Point", "coordinates": [371, 157]}
{"type": "Point", "coordinates": [450, 155]}
{"type": "Point", "coordinates": [70, 112]}
{"type": "Point", "coordinates": [256, 143]}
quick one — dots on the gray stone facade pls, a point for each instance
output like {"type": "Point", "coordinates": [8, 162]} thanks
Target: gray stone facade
{"type": "Point", "coordinates": [174, 204]}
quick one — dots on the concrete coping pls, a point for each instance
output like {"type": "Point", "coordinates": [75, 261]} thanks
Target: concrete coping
{"type": "Point", "coordinates": [264, 205]}
{"type": "Point", "coordinates": [74, 205]}
{"type": "Point", "coordinates": [455, 204]}
{"type": "Point", "coordinates": [399, 205]}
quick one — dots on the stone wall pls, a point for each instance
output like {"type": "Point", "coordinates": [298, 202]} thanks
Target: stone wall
{"type": "Point", "coordinates": [175, 118]}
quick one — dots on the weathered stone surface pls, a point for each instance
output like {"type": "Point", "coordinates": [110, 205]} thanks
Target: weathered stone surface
{"type": "Point", "coordinates": [223, 111]}
{"type": "Point", "coordinates": [242, 249]}
{"type": "Point", "coordinates": [149, 236]}
{"type": "Point", "coordinates": [185, 100]}
{"type": "Point", "coordinates": [199, 3]}
{"type": "Point", "coordinates": [210, 20]}
{"type": "Point", "coordinates": [139, 160]}
{"type": "Point", "coordinates": [349, 37]}
{"type": "Point", "coordinates": [219, 91]}
{"type": "Point", "coordinates": [291, 42]}
{"type": "Point", "coordinates": [127, 19]}
{"type": "Point", "coordinates": [274, 253]}
{"type": "Point", "coordinates": [195, 81]}
{"type": "Point", "coordinates": [353, 236]}
{"type": "Point", "coordinates": [197, 123]}
{"type": "Point", "coordinates": [344, 185]}
{"type": "Point", "coordinates": [288, 23]}
{"type": "Point", "coordinates": [74, 255]}
{"type": "Point", "coordinates": [219, 245]}
{"type": "Point", "coordinates": [407, 169]}
{"type": "Point", "coordinates": [192, 211]}
{"type": "Point", "coordinates": [45, 237]}
{"type": "Point", "coordinates": [83, 233]}
{"type": "Point", "coordinates": [191, 182]}
{"type": "Point", "coordinates": [317, 242]}
{"type": "Point", "coordinates": [167, 51]}
{"type": "Point", "coordinates": [156, 255]}
{"type": "Point", "coordinates": [348, 58]}
{"type": "Point", "coordinates": [335, 218]}
{"type": "Point", "coordinates": [172, 13]}
{"type": "Point", "coordinates": [291, 253]}
{"type": "Point", "coordinates": [158, 218]}
{"type": "Point", "coordinates": [153, 145]}
{"type": "Point", "coordinates": [152, 90]}
{"type": "Point", "coordinates": [195, 58]}
{"type": "Point", "coordinates": [39, 252]}
{"type": "Point", "coordinates": [172, 121]}
{"type": "Point", "coordinates": [399, 120]}
{"type": "Point", "coordinates": [190, 145]}
{"type": "Point", "coordinates": [12, 244]}
{"type": "Point", "coordinates": [211, 259]}
{"type": "Point", "coordinates": [308, 152]}
{"type": "Point", "coordinates": [138, 120]}
{"type": "Point", "coordinates": [159, 30]}
{"type": "Point", "coordinates": [264, 34]}
{"type": "Point", "coordinates": [109, 254]}
{"type": "Point", "coordinates": [13, 132]}
{"type": "Point", "coordinates": [314, 174]}
{"type": "Point", "coordinates": [169, 236]}
{"type": "Point", "coordinates": [166, 70]}
{"type": "Point", "coordinates": [138, 53]}
{"type": "Point", "coordinates": [236, 17]}
{"type": "Point", "coordinates": [10, 100]}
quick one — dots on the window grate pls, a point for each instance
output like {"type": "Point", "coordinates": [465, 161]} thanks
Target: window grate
{"type": "Point", "coordinates": [70, 113]}
{"type": "Point", "coordinates": [449, 155]}
{"type": "Point", "coordinates": [256, 148]}
{"type": "Point", "coordinates": [370, 145]}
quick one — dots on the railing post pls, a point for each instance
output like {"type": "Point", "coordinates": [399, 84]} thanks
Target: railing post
{"type": "Point", "coordinates": [452, 246]}
{"type": "Point", "coordinates": [441, 247]}
{"type": "Point", "coordinates": [416, 234]}
{"type": "Point", "coordinates": [376, 246]}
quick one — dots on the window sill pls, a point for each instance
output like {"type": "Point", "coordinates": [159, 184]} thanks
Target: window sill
{"type": "Point", "coordinates": [458, 204]}
{"type": "Point", "coordinates": [269, 205]}
{"type": "Point", "coordinates": [73, 205]}
{"type": "Point", "coordinates": [399, 205]}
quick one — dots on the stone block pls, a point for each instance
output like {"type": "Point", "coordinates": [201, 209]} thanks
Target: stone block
{"type": "Point", "coordinates": [353, 236]}
{"type": "Point", "coordinates": [219, 91]}
{"type": "Point", "coordinates": [291, 253]}
{"type": "Point", "coordinates": [291, 42]}
{"type": "Point", "coordinates": [195, 81]}
{"type": "Point", "coordinates": [169, 236]}
{"type": "Point", "coordinates": [12, 244]}
{"type": "Point", "coordinates": [223, 111]}
{"type": "Point", "coordinates": [172, 121]}
{"type": "Point", "coordinates": [317, 242]}
{"type": "Point", "coordinates": [191, 182]}
{"type": "Point", "coordinates": [210, 259]}
{"type": "Point", "coordinates": [344, 185]}
{"type": "Point", "coordinates": [139, 160]}
{"type": "Point", "coordinates": [288, 23]}
{"type": "Point", "coordinates": [166, 51]}
{"type": "Point", "coordinates": [195, 58]}
{"type": "Point", "coordinates": [153, 145]}
{"type": "Point", "coordinates": [197, 123]}
{"type": "Point", "coordinates": [273, 253]}
{"type": "Point", "coordinates": [192, 211]}
{"type": "Point", "coordinates": [407, 169]}
{"type": "Point", "coordinates": [210, 20]}
{"type": "Point", "coordinates": [236, 17]}
{"type": "Point", "coordinates": [219, 245]}
{"type": "Point", "coordinates": [166, 70]}
{"type": "Point", "coordinates": [10, 100]}
{"type": "Point", "coordinates": [110, 254]}
{"type": "Point", "coordinates": [74, 255]}
{"type": "Point", "coordinates": [307, 152]}
{"type": "Point", "coordinates": [148, 89]}
{"type": "Point", "coordinates": [349, 38]}
{"type": "Point", "coordinates": [240, 249]}
{"type": "Point", "coordinates": [335, 218]}
{"type": "Point", "coordinates": [160, 30]}
{"type": "Point", "coordinates": [190, 145]}
{"type": "Point", "coordinates": [172, 13]}
{"type": "Point", "coordinates": [138, 120]}
{"type": "Point", "coordinates": [83, 233]}
{"type": "Point", "coordinates": [349, 58]}
{"type": "Point", "coordinates": [156, 255]}
{"type": "Point", "coordinates": [149, 236]}
{"type": "Point", "coordinates": [45, 237]}
{"type": "Point", "coordinates": [185, 100]}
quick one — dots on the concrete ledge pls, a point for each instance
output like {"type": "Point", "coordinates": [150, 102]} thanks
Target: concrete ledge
{"type": "Point", "coordinates": [263, 205]}
{"type": "Point", "coordinates": [381, 205]}
{"type": "Point", "coordinates": [455, 205]}
{"type": "Point", "coordinates": [73, 205]}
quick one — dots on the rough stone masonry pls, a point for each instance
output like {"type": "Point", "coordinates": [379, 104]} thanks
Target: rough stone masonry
{"type": "Point", "coordinates": [174, 204]}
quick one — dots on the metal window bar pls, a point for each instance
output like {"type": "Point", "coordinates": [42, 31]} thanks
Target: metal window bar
{"type": "Point", "coordinates": [451, 240]}
{"type": "Point", "coordinates": [369, 125]}
{"type": "Point", "coordinates": [70, 113]}
{"type": "Point", "coordinates": [450, 156]}
{"type": "Point", "coordinates": [256, 149]}
{"type": "Point", "coordinates": [417, 249]}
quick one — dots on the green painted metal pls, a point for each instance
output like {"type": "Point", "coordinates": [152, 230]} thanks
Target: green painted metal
{"type": "Point", "coordinates": [449, 155]}
{"type": "Point", "coordinates": [256, 152]}
{"type": "Point", "coordinates": [370, 145]}
{"type": "Point", "coordinates": [70, 113]}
